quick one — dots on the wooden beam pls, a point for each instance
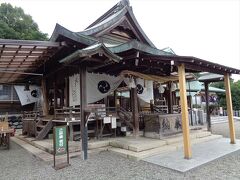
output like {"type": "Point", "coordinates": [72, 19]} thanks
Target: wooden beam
{"type": "Point", "coordinates": [45, 99]}
{"type": "Point", "coordinates": [135, 113]}
{"type": "Point", "coordinates": [184, 111]}
{"type": "Point", "coordinates": [83, 105]}
{"type": "Point", "coordinates": [30, 43]}
{"type": "Point", "coordinates": [229, 108]}
{"type": "Point", "coordinates": [207, 106]}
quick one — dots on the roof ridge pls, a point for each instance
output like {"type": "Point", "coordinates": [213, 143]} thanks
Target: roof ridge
{"type": "Point", "coordinates": [117, 7]}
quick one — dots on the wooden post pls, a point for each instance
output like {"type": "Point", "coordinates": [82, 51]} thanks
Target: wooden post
{"type": "Point", "coordinates": [170, 99]}
{"type": "Point", "coordinates": [184, 111]}
{"type": "Point", "coordinates": [135, 113]}
{"type": "Point", "coordinates": [45, 99]}
{"type": "Point", "coordinates": [66, 93]}
{"type": "Point", "coordinates": [207, 106]}
{"type": "Point", "coordinates": [55, 94]}
{"type": "Point", "coordinates": [229, 108]}
{"type": "Point", "coordinates": [115, 98]}
{"type": "Point", "coordinates": [83, 104]}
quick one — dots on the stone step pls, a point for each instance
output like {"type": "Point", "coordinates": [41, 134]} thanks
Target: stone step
{"type": "Point", "coordinates": [137, 144]}
{"type": "Point", "coordinates": [98, 144]}
{"type": "Point", "coordinates": [193, 135]}
{"type": "Point", "coordinates": [45, 156]}
{"type": "Point", "coordinates": [140, 155]}
{"type": "Point", "coordinates": [155, 151]}
{"type": "Point", "coordinates": [197, 140]}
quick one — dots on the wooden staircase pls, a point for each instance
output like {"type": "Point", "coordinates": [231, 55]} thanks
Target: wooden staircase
{"type": "Point", "coordinates": [125, 117]}
{"type": "Point", "coordinates": [42, 128]}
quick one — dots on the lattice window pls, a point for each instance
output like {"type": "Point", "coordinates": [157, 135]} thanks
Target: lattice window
{"type": "Point", "coordinates": [5, 92]}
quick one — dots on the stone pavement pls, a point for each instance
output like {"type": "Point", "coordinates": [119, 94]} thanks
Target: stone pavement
{"type": "Point", "coordinates": [201, 153]}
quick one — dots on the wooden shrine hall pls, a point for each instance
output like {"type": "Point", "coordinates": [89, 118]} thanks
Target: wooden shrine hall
{"type": "Point", "coordinates": [116, 48]}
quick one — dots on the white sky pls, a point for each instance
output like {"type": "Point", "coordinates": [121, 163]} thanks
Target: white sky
{"type": "Point", "coordinates": [208, 29]}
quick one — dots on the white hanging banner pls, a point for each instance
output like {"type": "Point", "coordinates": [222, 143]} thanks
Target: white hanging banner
{"type": "Point", "coordinates": [74, 90]}
{"type": "Point", "coordinates": [144, 89]}
{"type": "Point", "coordinates": [98, 87]}
{"type": "Point", "coordinates": [28, 97]}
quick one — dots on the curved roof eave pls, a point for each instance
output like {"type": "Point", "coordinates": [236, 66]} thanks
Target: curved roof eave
{"type": "Point", "coordinates": [60, 30]}
{"type": "Point", "coordinates": [113, 21]}
{"type": "Point", "coordinates": [106, 23]}
{"type": "Point", "coordinates": [138, 46]}
{"type": "Point", "coordinates": [139, 27]}
{"type": "Point", "coordinates": [91, 50]}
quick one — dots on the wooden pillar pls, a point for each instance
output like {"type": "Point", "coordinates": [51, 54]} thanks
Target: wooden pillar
{"type": "Point", "coordinates": [207, 106]}
{"type": "Point", "coordinates": [55, 92]}
{"type": "Point", "coordinates": [184, 112]}
{"type": "Point", "coordinates": [83, 105]}
{"type": "Point", "coordinates": [45, 99]}
{"type": "Point", "coordinates": [115, 98]}
{"type": "Point", "coordinates": [229, 108]}
{"type": "Point", "coordinates": [62, 98]}
{"type": "Point", "coordinates": [190, 99]}
{"type": "Point", "coordinates": [66, 93]}
{"type": "Point", "coordinates": [170, 99]}
{"type": "Point", "coordinates": [135, 113]}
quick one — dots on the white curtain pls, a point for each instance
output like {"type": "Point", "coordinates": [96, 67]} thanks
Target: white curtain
{"type": "Point", "coordinates": [144, 89]}
{"type": "Point", "coordinates": [98, 87]}
{"type": "Point", "coordinates": [27, 97]}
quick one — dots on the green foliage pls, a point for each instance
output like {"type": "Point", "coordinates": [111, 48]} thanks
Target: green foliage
{"type": "Point", "coordinates": [15, 24]}
{"type": "Point", "coordinates": [196, 106]}
{"type": "Point", "coordinates": [235, 90]}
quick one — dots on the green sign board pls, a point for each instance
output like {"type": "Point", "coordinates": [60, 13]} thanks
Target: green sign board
{"type": "Point", "coordinates": [60, 134]}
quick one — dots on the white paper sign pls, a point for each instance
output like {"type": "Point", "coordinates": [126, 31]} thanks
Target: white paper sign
{"type": "Point", "coordinates": [114, 122]}
{"type": "Point", "coordinates": [106, 120]}
{"type": "Point", "coordinates": [123, 129]}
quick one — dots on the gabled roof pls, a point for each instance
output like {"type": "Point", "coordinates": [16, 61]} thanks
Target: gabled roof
{"type": "Point", "coordinates": [121, 12]}
{"type": "Point", "coordinates": [62, 31]}
{"type": "Point", "coordinates": [98, 48]}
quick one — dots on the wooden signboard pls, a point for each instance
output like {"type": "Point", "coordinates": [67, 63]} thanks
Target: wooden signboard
{"type": "Point", "coordinates": [60, 145]}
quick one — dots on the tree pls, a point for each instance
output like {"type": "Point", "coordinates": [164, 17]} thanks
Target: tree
{"type": "Point", "coordinates": [235, 90]}
{"type": "Point", "coordinates": [15, 24]}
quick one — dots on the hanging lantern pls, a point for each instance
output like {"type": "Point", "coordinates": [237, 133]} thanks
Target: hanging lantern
{"type": "Point", "coordinates": [161, 89]}
{"type": "Point", "coordinates": [131, 83]}
{"type": "Point", "coordinates": [173, 87]}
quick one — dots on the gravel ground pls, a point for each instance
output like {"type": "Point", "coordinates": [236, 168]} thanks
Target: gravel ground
{"type": "Point", "coordinates": [19, 164]}
{"type": "Point", "coordinates": [223, 129]}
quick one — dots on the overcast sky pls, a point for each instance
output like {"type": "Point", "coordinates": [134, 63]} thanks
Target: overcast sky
{"type": "Point", "coordinates": [208, 29]}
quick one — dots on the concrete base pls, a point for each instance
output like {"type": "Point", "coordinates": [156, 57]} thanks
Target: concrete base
{"type": "Point", "coordinates": [177, 144]}
{"type": "Point", "coordinates": [136, 144]}
{"type": "Point", "coordinates": [135, 148]}
{"type": "Point", "coordinates": [74, 146]}
{"type": "Point", "coordinates": [201, 153]}
{"type": "Point", "coordinates": [46, 156]}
